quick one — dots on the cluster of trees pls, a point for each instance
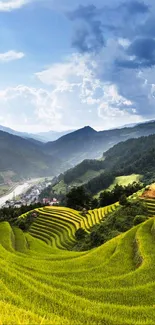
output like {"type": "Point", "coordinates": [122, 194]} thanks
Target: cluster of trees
{"type": "Point", "coordinates": [79, 197]}
{"type": "Point", "coordinates": [115, 223]}
{"type": "Point", "coordinates": [12, 214]}
{"type": "Point", "coordinates": [24, 222]}
{"type": "Point", "coordinates": [110, 197]}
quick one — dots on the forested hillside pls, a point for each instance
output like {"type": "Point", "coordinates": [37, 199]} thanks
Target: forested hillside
{"type": "Point", "coordinates": [134, 156]}
{"type": "Point", "coordinates": [25, 158]}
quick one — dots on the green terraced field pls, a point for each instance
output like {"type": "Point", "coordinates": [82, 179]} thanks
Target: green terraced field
{"type": "Point", "coordinates": [150, 203]}
{"type": "Point", "coordinates": [57, 226]}
{"type": "Point", "coordinates": [43, 282]}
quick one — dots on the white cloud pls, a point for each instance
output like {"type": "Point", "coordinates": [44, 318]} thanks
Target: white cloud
{"type": "Point", "coordinates": [115, 109]}
{"type": "Point", "coordinates": [74, 74]}
{"type": "Point", "coordinates": [77, 79]}
{"type": "Point", "coordinates": [77, 94]}
{"type": "Point", "coordinates": [11, 56]}
{"type": "Point", "coordinates": [12, 4]}
{"type": "Point", "coordinates": [27, 106]}
{"type": "Point", "coordinates": [70, 71]}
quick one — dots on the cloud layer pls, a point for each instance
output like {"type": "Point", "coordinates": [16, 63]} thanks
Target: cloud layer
{"type": "Point", "coordinates": [104, 79]}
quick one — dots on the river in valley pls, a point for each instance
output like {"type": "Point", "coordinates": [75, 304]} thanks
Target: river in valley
{"type": "Point", "coordinates": [19, 189]}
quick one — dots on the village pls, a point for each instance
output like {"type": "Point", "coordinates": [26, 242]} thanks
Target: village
{"type": "Point", "coordinates": [32, 196]}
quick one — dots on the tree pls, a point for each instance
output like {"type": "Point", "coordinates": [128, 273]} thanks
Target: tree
{"type": "Point", "coordinates": [139, 219]}
{"type": "Point", "coordinates": [123, 200]}
{"type": "Point", "coordinates": [78, 198]}
{"type": "Point", "coordinates": [80, 234]}
{"type": "Point", "coordinates": [94, 204]}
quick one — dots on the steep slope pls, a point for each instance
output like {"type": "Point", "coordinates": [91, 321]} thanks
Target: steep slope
{"type": "Point", "coordinates": [25, 158]}
{"type": "Point", "coordinates": [132, 156]}
{"type": "Point", "coordinates": [87, 143]}
{"type": "Point", "coordinates": [74, 147]}
{"type": "Point", "coordinates": [46, 284]}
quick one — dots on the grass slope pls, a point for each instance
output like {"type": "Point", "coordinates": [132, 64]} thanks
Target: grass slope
{"type": "Point", "coordinates": [122, 180]}
{"type": "Point", "coordinates": [125, 180]}
{"type": "Point", "coordinates": [41, 283]}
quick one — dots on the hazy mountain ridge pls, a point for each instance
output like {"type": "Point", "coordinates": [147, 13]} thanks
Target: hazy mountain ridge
{"type": "Point", "coordinates": [31, 158]}
{"type": "Point", "coordinates": [25, 158]}
{"type": "Point", "coordinates": [87, 143]}
{"type": "Point", "coordinates": [41, 136]}
{"type": "Point", "coordinates": [52, 135]}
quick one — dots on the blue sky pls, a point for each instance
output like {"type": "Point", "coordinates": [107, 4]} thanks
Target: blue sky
{"type": "Point", "coordinates": [65, 64]}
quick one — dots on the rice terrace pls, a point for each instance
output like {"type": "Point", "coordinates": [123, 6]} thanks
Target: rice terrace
{"type": "Point", "coordinates": [77, 162]}
{"type": "Point", "coordinates": [44, 282]}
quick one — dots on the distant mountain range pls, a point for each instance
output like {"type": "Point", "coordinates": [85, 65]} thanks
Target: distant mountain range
{"type": "Point", "coordinates": [42, 136]}
{"type": "Point", "coordinates": [28, 157]}
{"type": "Point", "coordinates": [51, 135]}
{"type": "Point", "coordinates": [87, 143]}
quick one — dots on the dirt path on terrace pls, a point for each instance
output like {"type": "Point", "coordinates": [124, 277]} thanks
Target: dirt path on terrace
{"type": "Point", "coordinates": [150, 192]}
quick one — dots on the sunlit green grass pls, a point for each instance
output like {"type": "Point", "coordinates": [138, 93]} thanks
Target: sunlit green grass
{"type": "Point", "coordinates": [122, 180]}
{"type": "Point", "coordinates": [43, 282]}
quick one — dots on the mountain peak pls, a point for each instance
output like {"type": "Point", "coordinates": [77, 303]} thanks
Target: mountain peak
{"type": "Point", "coordinates": [86, 129]}
{"type": "Point", "coordinates": [89, 128]}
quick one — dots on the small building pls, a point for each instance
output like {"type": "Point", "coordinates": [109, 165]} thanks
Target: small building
{"type": "Point", "coordinates": [54, 202]}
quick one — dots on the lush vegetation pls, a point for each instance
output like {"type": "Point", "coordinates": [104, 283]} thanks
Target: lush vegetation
{"type": "Point", "coordinates": [44, 282]}
{"type": "Point", "coordinates": [125, 180]}
{"type": "Point", "coordinates": [108, 197]}
{"type": "Point", "coordinates": [132, 157]}
{"type": "Point", "coordinates": [80, 197]}
{"type": "Point", "coordinates": [131, 213]}
{"type": "Point", "coordinates": [58, 225]}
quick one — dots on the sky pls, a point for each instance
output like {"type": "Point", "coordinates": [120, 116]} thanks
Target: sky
{"type": "Point", "coordinates": [65, 64]}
